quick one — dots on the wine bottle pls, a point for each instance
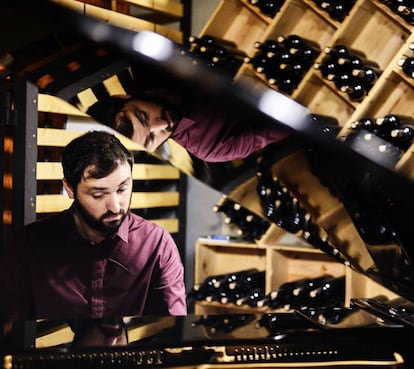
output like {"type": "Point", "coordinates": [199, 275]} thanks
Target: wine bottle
{"type": "Point", "coordinates": [259, 62]}
{"type": "Point", "coordinates": [402, 136]}
{"type": "Point", "coordinates": [407, 65]}
{"type": "Point", "coordinates": [337, 51]}
{"type": "Point", "coordinates": [282, 295]}
{"type": "Point", "coordinates": [251, 298]}
{"type": "Point", "coordinates": [231, 296]}
{"type": "Point", "coordinates": [209, 286]}
{"type": "Point", "coordinates": [248, 281]}
{"type": "Point", "coordinates": [209, 40]}
{"type": "Point", "coordinates": [300, 294]}
{"type": "Point", "coordinates": [344, 53]}
{"type": "Point", "coordinates": [267, 7]}
{"type": "Point", "coordinates": [332, 315]}
{"type": "Point", "coordinates": [406, 12]}
{"type": "Point", "coordinates": [330, 293]}
{"type": "Point", "coordinates": [234, 279]}
{"type": "Point", "coordinates": [229, 322]}
{"type": "Point", "coordinates": [316, 237]}
{"type": "Point", "coordinates": [399, 119]}
{"type": "Point", "coordinates": [265, 65]}
{"type": "Point", "coordinates": [368, 75]}
{"type": "Point", "coordinates": [306, 55]}
{"type": "Point", "coordinates": [327, 67]}
{"type": "Point", "coordinates": [228, 65]}
{"type": "Point", "coordinates": [387, 123]}
{"type": "Point", "coordinates": [294, 42]}
{"type": "Point", "coordinates": [269, 45]}
{"type": "Point", "coordinates": [366, 123]}
{"type": "Point", "coordinates": [336, 10]}
{"type": "Point", "coordinates": [340, 79]}
{"type": "Point", "coordinates": [221, 51]}
{"type": "Point", "coordinates": [350, 63]}
{"type": "Point", "coordinates": [296, 69]}
{"type": "Point", "coordinates": [298, 216]}
{"type": "Point", "coordinates": [287, 84]}
{"type": "Point", "coordinates": [255, 296]}
{"type": "Point", "coordinates": [355, 91]}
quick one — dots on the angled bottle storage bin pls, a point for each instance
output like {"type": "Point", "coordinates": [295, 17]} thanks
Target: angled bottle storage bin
{"type": "Point", "coordinates": [281, 263]}
{"type": "Point", "coordinates": [372, 33]}
{"type": "Point", "coordinates": [234, 20]}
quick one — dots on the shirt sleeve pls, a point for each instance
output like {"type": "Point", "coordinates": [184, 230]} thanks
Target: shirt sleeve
{"type": "Point", "coordinates": [215, 134]}
{"type": "Point", "coordinates": [167, 294]}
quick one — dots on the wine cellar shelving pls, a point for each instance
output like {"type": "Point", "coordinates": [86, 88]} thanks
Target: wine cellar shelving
{"type": "Point", "coordinates": [158, 16]}
{"type": "Point", "coordinates": [281, 262]}
{"type": "Point", "coordinates": [382, 38]}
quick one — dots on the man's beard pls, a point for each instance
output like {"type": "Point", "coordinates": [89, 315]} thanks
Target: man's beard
{"type": "Point", "coordinates": [98, 224]}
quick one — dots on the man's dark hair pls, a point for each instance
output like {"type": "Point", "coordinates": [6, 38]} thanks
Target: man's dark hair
{"type": "Point", "coordinates": [105, 110]}
{"type": "Point", "coordinates": [99, 149]}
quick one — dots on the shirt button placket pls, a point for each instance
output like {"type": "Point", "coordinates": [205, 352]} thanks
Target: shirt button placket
{"type": "Point", "coordinates": [97, 298]}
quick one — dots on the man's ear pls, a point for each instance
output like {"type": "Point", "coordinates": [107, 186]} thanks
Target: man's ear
{"type": "Point", "coordinates": [68, 188]}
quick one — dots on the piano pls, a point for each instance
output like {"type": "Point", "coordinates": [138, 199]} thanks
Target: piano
{"type": "Point", "coordinates": [368, 333]}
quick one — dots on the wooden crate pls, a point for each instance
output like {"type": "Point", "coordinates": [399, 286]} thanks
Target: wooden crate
{"type": "Point", "coordinates": [282, 263]}
{"type": "Point", "coordinates": [320, 97]}
{"type": "Point", "coordinates": [235, 21]}
{"type": "Point", "coordinates": [300, 18]}
{"type": "Point", "coordinates": [372, 31]}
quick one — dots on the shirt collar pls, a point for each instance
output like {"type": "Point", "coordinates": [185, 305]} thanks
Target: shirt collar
{"type": "Point", "coordinates": [123, 229]}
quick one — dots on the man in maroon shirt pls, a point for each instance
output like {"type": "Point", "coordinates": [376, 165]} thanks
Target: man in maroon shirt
{"type": "Point", "coordinates": [96, 259]}
{"type": "Point", "coordinates": [209, 130]}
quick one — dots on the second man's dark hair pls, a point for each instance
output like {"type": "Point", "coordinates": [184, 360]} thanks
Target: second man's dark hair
{"type": "Point", "coordinates": [100, 149]}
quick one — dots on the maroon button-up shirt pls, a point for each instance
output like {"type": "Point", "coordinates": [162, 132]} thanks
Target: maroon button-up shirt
{"type": "Point", "coordinates": [216, 134]}
{"type": "Point", "coordinates": [51, 272]}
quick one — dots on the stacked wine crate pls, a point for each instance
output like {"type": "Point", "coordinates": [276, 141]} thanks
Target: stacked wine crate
{"type": "Point", "coordinates": [157, 15]}
{"type": "Point", "coordinates": [383, 38]}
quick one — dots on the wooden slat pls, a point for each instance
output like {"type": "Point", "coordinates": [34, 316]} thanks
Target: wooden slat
{"type": "Point", "coordinates": [114, 86]}
{"type": "Point", "coordinates": [86, 98]}
{"type": "Point", "coordinates": [140, 200]}
{"type": "Point", "coordinates": [154, 171]}
{"type": "Point", "coordinates": [52, 203]}
{"type": "Point", "coordinates": [53, 171]}
{"type": "Point", "coordinates": [168, 7]}
{"type": "Point", "coordinates": [53, 104]}
{"type": "Point", "coordinates": [169, 224]}
{"type": "Point", "coordinates": [58, 337]}
{"type": "Point", "coordinates": [49, 171]}
{"type": "Point", "coordinates": [143, 200]}
{"type": "Point", "coordinates": [60, 138]}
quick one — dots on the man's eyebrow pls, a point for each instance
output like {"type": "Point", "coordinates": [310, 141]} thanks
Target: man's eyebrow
{"type": "Point", "coordinates": [102, 188]}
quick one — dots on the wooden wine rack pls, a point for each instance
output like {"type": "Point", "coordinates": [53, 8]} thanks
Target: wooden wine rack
{"type": "Point", "coordinates": [370, 28]}
{"type": "Point", "coordinates": [281, 263]}
{"type": "Point", "coordinates": [155, 15]}
{"type": "Point", "coordinates": [384, 37]}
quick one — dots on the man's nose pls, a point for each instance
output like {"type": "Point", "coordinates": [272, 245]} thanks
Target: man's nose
{"type": "Point", "coordinates": [158, 124]}
{"type": "Point", "coordinates": [114, 204]}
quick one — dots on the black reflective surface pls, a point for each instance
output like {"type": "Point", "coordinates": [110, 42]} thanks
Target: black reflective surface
{"type": "Point", "coordinates": [353, 337]}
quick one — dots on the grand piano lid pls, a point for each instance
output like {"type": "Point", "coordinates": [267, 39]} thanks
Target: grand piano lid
{"type": "Point", "coordinates": [245, 340]}
{"type": "Point", "coordinates": [374, 194]}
